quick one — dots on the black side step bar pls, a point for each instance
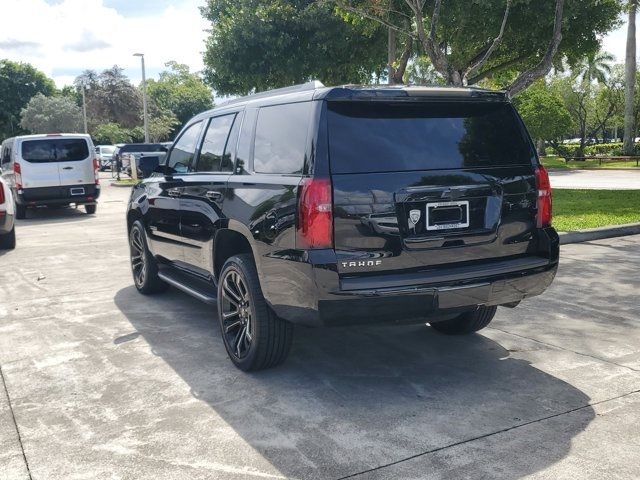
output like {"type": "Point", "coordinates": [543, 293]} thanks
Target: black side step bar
{"type": "Point", "coordinates": [196, 288]}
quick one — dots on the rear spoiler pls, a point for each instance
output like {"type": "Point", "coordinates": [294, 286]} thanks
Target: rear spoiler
{"type": "Point", "coordinates": [406, 93]}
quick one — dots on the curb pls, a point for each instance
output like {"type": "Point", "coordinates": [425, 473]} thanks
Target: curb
{"type": "Point", "coordinates": [580, 236]}
{"type": "Point", "coordinates": [113, 184]}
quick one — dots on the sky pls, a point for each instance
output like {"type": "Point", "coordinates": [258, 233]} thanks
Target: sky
{"type": "Point", "coordinates": [64, 37]}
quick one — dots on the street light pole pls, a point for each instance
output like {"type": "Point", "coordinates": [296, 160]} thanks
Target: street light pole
{"type": "Point", "coordinates": [84, 109]}
{"type": "Point", "coordinates": [144, 98]}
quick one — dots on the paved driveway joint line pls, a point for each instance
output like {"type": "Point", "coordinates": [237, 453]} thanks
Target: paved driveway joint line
{"type": "Point", "coordinates": [491, 434]}
{"type": "Point", "coordinates": [15, 423]}
{"type": "Point", "coordinates": [566, 349]}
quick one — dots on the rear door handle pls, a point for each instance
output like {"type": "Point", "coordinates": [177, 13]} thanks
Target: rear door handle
{"type": "Point", "coordinates": [174, 192]}
{"type": "Point", "coordinates": [67, 168]}
{"type": "Point", "coordinates": [214, 195]}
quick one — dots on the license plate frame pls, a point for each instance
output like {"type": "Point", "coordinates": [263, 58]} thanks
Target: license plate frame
{"type": "Point", "coordinates": [76, 191]}
{"type": "Point", "coordinates": [464, 223]}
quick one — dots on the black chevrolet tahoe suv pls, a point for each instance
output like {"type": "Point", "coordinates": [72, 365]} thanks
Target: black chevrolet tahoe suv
{"type": "Point", "coordinates": [324, 206]}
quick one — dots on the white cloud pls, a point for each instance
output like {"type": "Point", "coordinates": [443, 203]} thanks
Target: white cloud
{"type": "Point", "coordinates": [70, 36]}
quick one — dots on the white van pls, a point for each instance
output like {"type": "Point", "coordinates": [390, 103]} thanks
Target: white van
{"type": "Point", "coordinates": [52, 169]}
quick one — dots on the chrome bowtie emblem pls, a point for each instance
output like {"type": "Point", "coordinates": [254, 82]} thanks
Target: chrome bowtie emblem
{"type": "Point", "coordinates": [414, 217]}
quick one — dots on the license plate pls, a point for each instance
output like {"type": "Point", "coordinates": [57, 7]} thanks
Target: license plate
{"type": "Point", "coordinates": [77, 191]}
{"type": "Point", "coordinates": [447, 215]}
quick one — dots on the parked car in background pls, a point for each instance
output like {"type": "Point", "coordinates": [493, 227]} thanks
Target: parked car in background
{"type": "Point", "coordinates": [51, 170]}
{"type": "Point", "coordinates": [104, 153]}
{"type": "Point", "coordinates": [7, 217]}
{"type": "Point", "coordinates": [138, 150]}
{"type": "Point", "coordinates": [338, 205]}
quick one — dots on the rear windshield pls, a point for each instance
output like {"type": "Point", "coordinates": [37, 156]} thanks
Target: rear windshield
{"type": "Point", "coordinates": [374, 137]}
{"type": "Point", "coordinates": [55, 150]}
{"type": "Point", "coordinates": [107, 150]}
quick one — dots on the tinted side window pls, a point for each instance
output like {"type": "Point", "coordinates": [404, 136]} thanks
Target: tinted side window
{"type": "Point", "coordinates": [55, 150]}
{"type": "Point", "coordinates": [213, 157]}
{"type": "Point", "coordinates": [244, 141]}
{"type": "Point", "coordinates": [6, 153]}
{"type": "Point", "coordinates": [184, 150]}
{"type": "Point", "coordinates": [281, 138]}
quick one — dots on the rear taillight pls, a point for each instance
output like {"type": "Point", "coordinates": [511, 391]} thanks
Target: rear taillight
{"type": "Point", "coordinates": [543, 218]}
{"type": "Point", "coordinates": [315, 216]}
{"type": "Point", "coordinates": [17, 176]}
{"type": "Point", "coordinates": [2, 197]}
{"type": "Point", "coordinates": [96, 170]}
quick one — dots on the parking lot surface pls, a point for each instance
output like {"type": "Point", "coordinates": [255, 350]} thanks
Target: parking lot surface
{"type": "Point", "coordinates": [101, 382]}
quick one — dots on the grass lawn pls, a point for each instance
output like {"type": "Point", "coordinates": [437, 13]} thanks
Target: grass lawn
{"type": "Point", "coordinates": [557, 162]}
{"type": "Point", "coordinates": [125, 182]}
{"type": "Point", "coordinates": [580, 209]}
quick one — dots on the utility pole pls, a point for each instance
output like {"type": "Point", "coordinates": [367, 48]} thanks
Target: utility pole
{"type": "Point", "coordinates": [84, 108]}
{"type": "Point", "coordinates": [144, 98]}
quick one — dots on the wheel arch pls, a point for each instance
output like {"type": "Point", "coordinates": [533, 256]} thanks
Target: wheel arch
{"type": "Point", "coordinates": [228, 242]}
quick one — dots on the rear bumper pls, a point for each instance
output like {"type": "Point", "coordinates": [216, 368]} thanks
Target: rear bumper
{"type": "Point", "coordinates": [318, 296]}
{"type": "Point", "coordinates": [60, 195]}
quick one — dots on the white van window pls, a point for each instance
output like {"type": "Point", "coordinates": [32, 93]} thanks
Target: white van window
{"type": "Point", "coordinates": [55, 150]}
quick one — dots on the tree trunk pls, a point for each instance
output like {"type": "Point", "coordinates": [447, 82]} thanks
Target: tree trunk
{"type": "Point", "coordinates": [391, 56]}
{"type": "Point", "coordinates": [527, 77]}
{"type": "Point", "coordinates": [398, 76]}
{"type": "Point", "coordinates": [630, 80]}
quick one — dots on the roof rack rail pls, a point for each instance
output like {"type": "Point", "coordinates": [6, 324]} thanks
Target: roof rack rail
{"type": "Point", "coordinates": [303, 87]}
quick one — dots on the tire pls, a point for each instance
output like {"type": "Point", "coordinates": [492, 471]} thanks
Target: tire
{"type": "Point", "coordinates": [467, 323]}
{"type": "Point", "coordinates": [90, 209]}
{"type": "Point", "coordinates": [243, 310]}
{"type": "Point", "coordinates": [144, 267]}
{"type": "Point", "coordinates": [21, 211]}
{"type": "Point", "coordinates": [8, 240]}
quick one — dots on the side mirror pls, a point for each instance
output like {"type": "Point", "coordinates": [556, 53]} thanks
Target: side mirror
{"type": "Point", "coordinates": [164, 169]}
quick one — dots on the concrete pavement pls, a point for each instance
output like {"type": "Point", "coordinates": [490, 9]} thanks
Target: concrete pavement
{"type": "Point", "coordinates": [105, 383]}
{"type": "Point", "coordinates": [603, 179]}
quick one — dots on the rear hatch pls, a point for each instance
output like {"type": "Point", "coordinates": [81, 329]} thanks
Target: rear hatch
{"type": "Point", "coordinates": [56, 161]}
{"type": "Point", "coordinates": [430, 185]}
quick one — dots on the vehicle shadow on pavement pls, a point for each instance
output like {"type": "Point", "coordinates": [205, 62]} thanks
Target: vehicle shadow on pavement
{"type": "Point", "coordinates": [44, 215]}
{"type": "Point", "coordinates": [352, 399]}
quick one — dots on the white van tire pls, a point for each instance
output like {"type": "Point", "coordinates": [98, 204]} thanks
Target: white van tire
{"type": "Point", "coordinates": [8, 240]}
{"type": "Point", "coordinates": [90, 209]}
{"type": "Point", "coordinates": [21, 211]}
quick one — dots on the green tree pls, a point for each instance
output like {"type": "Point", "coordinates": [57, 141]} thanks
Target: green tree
{"type": "Point", "coordinates": [608, 108]}
{"type": "Point", "coordinates": [110, 134]}
{"type": "Point", "coordinates": [544, 113]}
{"type": "Point", "coordinates": [595, 67]}
{"type": "Point", "coordinates": [51, 115]}
{"type": "Point", "coordinates": [161, 126]}
{"type": "Point", "coordinates": [260, 44]}
{"type": "Point", "coordinates": [19, 82]}
{"type": "Point", "coordinates": [111, 98]}
{"type": "Point", "coordinates": [513, 42]}
{"type": "Point", "coordinates": [180, 92]}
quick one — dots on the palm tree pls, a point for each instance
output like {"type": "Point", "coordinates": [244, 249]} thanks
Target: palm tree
{"type": "Point", "coordinates": [630, 80]}
{"type": "Point", "coordinates": [595, 67]}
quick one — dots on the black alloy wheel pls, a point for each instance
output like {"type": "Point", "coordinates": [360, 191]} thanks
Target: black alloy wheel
{"type": "Point", "coordinates": [138, 258]}
{"type": "Point", "coordinates": [237, 317]}
{"type": "Point", "coordinates": [254, 337]}
{"type": "Point", "coordinates": [143, 266]}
